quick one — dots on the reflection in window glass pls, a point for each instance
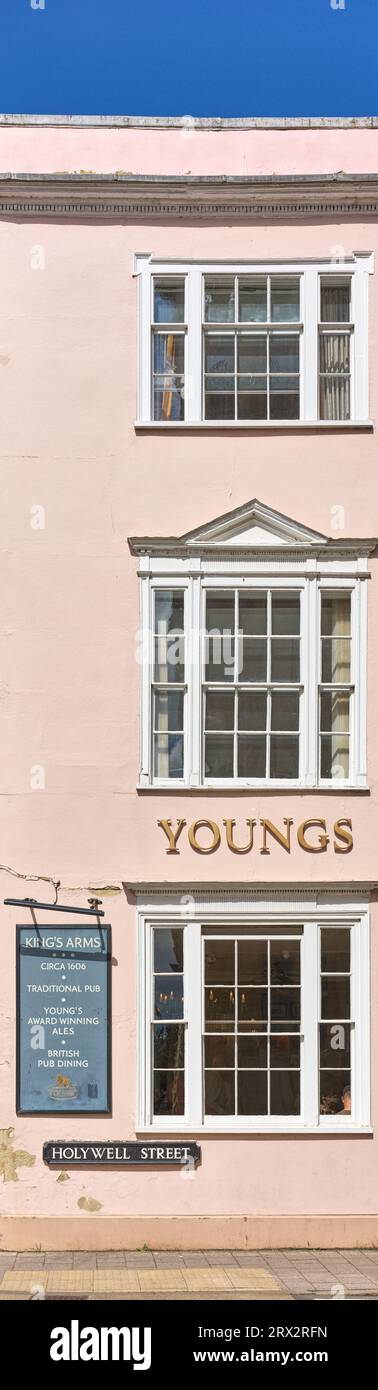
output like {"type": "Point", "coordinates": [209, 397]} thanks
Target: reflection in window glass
{"type": "Point", "coordinates": [252, 1026]}
{"type": "Point", "coordinates": [252, 639]}
{"type": "Point", "coordinates": [335, 1095]}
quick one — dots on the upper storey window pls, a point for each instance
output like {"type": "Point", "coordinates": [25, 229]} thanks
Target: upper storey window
{"type": "Point", "coordinates": [252, 345]}
{"type": "Point", "coordinates": [251, 349]}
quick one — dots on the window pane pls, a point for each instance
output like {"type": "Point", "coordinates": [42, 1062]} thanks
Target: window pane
{"type": "Point", "coordinates": [284, 404]}
{"type": "Point", "coordinates": [335, 996]}
{"type": "Point", "coordinates": [336, 660]}
{"type": "Point", "coordinates": [220, 404]}
{"type": "Point", "coordinates": [169, 350]}
{"type": "Point", "coordinates": [334, 351]}
{"type": "Point", "coordinates": [252, 1051]}
{"type": "Point", "coordinates": [169, 1093]}
{"type": "Point", "coordinates": [335, 949]}
{"type": "Point", "coordinates": [285, 1004]}
{"type": "Point", "coordinates": [169, 301]}
{"type": "Point", "coordinates": [219, 713]}
{"type": "Point", "coordinates": [219, 755]}
{"type": "Point", "coordinates": [285, 710]}
{"type": "Point", "coordinates": [285, 659]}
{"type": "Point", "coordinates": [252, 962]}
{"type": "Point", "coordinates": [169, 610]}
{"type": "Point", "coordinates": [219, 962]}
{"type": "Point", "coordinates": [336, 630]}
{"type": "Point", "coordinates": [252, 659]}
{"type": "Point", "coordinates": [286, 614]}
{"type": "Point", "coordinates": [252, 300]}
{"type": "Point", "coordinates": [253, 613]}
{"type": "Point", "coordinates": [252, 1093]}
{"type": "Point", "coordinates": [334, 757]}
{"type": "Point", "coordinates": [334, 398]}
{"type": "Point", "coordinates": [252, 1005]}
{"type": "Point", "coordinates": [285, 301]}
{"type": "Point", "coordinates": [334, 1045]}
{"type": "Point", "coordinates": [335, 303]}
{"type": "Point", "coordinates": [169, 992]}
{"type": "Point", "coordinates": [335, 1093]}
{"type": "Point", "coordinates": [284, 756]}
{"type": "Point", "coordinates": [169, 398]}
{"type": "Point", "coordinates": [169, 711]}
{"type": "Point", "coordinates": [219, 1093]}
{"type": "Point", "coordinates": [252, 354]}
{"type": "Point", "coordinates": [168, 755]}
{"type": "Point", "coordinates": [219, 1051]}
{"type": "Point", "coordinates": [252, 756]}
{"type": "Point", "coordinates": [168, 950]}
{"type": "Point", "coordinates": [253, 405]}
{"type": "Point", "coordinates": [220, 612]}
{"type": "Point", "coordinates": [284, 354]}
{"type": "Point", "coordinates": [219, 301]}
{"type": "Point", "coordinates": [334, 712]}
{"type": "Point", "coordinates": [169, 660]}
{"type": "Point", "coordinates": [168, 1045]}
{"type": "Point", "coordinates": [252, 710]}
{"type": "Point", "coordinates": [334, 382]}
{"type": "Point", "coordinates": [285, 1093]}
{"type": "Point", "coordinates": [220, 1009]}
{"type": "Point", "coordinates": [336, 615]}
{"type": "Point", "coordinates": [284, 401]}
{"type": "Point", "coordinates": [219, 354]}
{"type": "Point", "coordinates": [285, 962]}
{"type": "Point", "coordinates": [220, 624]}
{"type": "Point", "coordinates": [285, 1051]}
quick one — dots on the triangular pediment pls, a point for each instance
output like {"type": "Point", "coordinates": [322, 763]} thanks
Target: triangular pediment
{"type": "Point", "coordinates": [252, 525]}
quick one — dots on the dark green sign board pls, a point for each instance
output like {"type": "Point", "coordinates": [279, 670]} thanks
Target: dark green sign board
{"type": "Point", "coordinates": [63, 1020]}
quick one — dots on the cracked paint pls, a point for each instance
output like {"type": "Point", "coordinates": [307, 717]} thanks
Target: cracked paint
{"type": "Point", "coordinates": [10, 1158]}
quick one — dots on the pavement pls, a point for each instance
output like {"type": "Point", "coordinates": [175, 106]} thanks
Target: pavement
{"type": "Point", "coordinates": [267, 1275]}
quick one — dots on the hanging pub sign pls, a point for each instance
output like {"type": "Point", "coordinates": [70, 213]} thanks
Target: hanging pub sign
{"type": "Point", "coordinates": [63, 1020]}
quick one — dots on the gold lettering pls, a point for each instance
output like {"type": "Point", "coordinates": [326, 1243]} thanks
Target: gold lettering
{"type": "Point", "coordinates": [343, 835]}
{"type": "Point", "coordinates": [238, 849]}
{"type": "Point", "coordinates": [172, 835]}
{"type": "Point", "coordinates": [210, 825]}
{"type": "Point", "coordinates": [278, 835]}
{"type": "Point", "coordinates": [323, 839]}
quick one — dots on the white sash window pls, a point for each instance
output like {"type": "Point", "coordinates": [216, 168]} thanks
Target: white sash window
{"type": "Point", "coordinates": [253, 1017]}
{"type": "Point", "coordinates": [253, 344]}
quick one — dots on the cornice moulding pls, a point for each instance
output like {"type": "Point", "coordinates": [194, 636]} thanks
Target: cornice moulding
{"type": "Point", "coordinates": [216, 123]}
{"type": "Point", "coordinates": [123, 195]}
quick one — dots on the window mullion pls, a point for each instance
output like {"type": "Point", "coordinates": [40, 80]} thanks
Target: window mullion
{"type": "Point", "coordinates": [310, 674]}
{"type": "Point", "coordinates": [309, 410]}
{"type": "Point", "coordinates": [310, 998]}
{"type": "Point", "coordinates": [193, 383]}
{"type": "Point", "coordinates": [193, 1013]}
{"type": "Point", "coordinates": [193, 727]}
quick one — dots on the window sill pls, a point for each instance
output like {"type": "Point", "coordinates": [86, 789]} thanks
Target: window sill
{"type": "Point", "coordinates": [255, 426]}
{"type": "Point", "coordinates": [281, 786]}
{"type": "Point", "coordinates": [298, 1128]}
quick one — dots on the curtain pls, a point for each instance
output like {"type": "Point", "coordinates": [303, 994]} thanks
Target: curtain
{"type": "Point", "coordinates": [168, 349]}
{"type": "Point", "coordinates": [335, 303]}
{"type": "Point", "coordinates": [334, 381]}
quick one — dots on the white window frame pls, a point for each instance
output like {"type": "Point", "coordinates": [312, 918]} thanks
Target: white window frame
{"type": "Point", "coordinates": [356, 267]}
{"type": "Point", "coordinates": [195, 915]}
{"type": "Point", "coordinates": [311, 578]}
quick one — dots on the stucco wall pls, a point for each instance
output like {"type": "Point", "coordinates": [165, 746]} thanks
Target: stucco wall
{"type": "Point", "coordinates": [69, 684]}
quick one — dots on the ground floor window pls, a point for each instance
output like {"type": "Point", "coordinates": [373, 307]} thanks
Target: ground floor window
{"type": "Point", "coordinates": [259, 1024]}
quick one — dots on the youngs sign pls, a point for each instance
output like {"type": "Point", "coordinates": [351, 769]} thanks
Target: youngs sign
{"type": "Point", "coordinates": [313, 836]}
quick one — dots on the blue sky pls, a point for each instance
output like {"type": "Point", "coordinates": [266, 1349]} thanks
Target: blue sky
{"type": "Point", "coordinates": [200, 58]}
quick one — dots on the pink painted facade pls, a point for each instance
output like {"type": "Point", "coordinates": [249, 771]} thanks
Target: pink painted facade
{"type": "Point", "coordinates": [70, 678]}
